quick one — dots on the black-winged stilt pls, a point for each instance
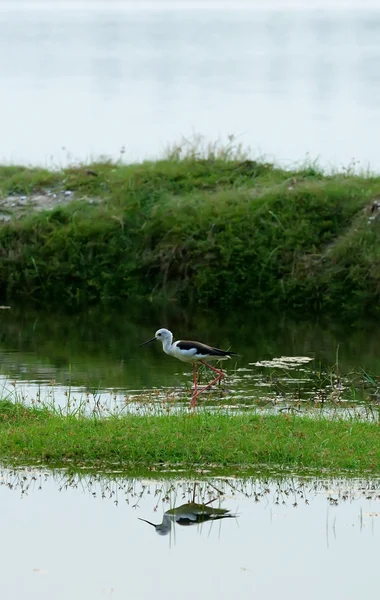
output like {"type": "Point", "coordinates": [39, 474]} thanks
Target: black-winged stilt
{"type": "Point", "coordinates": [189, 514]}
{"type": "Point", "coordinates": [192, 352]}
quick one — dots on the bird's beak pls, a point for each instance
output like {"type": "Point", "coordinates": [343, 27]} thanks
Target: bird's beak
{"type": "Point", "coordinates": [145, 521]}
{"type": "Point", "coordinates": [148, 342]}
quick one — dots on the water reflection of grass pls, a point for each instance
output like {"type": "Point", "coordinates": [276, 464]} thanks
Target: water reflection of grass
{"type": "Point", "coordinates": [168, 490]}
{"type": "Point", "coordinates": [204, 440]}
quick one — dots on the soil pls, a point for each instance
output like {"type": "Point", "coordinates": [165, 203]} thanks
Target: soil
{"type": "Point", "coordinates": [16, 206]}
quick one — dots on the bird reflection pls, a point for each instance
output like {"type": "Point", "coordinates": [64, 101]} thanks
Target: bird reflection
{"type": "Point", "coordinates": [188, 514]}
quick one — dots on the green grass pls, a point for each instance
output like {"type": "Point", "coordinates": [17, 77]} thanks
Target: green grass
{"type": "Point", "coordinates": [199, 440]}
{"type": "Point", "coordinates": [215, 231]}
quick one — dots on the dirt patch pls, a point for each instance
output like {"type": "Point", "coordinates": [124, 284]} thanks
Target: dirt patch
{"type": "Point", "coordinates": [16, 206]}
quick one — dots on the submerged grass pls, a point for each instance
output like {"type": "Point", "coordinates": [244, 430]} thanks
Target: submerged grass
{"type": "Point", "coordinates": [198, 440]}
{"type": "Point", "coordinates": [213, 230]}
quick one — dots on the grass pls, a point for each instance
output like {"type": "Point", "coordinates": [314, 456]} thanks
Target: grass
{"type": "Point", "coordinates": [212, 229]}
{"type": "Point", "coordinates": [189, 441]}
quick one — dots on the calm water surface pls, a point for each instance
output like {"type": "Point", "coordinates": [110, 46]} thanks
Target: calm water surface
{"type": "Point", "coordinates": [86, 79]}
{"type": "Point", "coordinates": [96, 355]}
{"type": "Point", "coordinates": [72, 538]}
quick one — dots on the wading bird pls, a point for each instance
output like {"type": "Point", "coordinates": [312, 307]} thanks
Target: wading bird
{"type": "Point", "coordinates": [189, 514]}
{"type": "Point", "coordinates": [192, 352]}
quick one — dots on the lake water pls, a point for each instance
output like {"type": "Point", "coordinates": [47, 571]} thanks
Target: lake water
{"type": "Point", "coordinates": [95, 356]}
{"type": "Point", "coordinates": [77, 537]}
{"type": "Point", "coordinates": [85, 79]}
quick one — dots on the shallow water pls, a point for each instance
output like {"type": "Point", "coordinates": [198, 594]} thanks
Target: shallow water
{"type": "Point", "coordinates": [95, 357]}
{"type": "Point", "coordinates": [72, 538]}
{"type": "Point", "coordinates": [82, 79]}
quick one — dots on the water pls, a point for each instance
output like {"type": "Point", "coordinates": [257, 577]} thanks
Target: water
{"type": "Point", "coordinates": [77, 537]}
{"type": "Point", "coordinates": [85, 79]}
{"type": "Point", "coordinates": [52, 357]}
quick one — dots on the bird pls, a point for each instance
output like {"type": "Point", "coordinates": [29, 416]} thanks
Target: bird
{"type": "Point", "coordinates": [192, 352]}
{"type": "Point", "coordinates": [190, 513]}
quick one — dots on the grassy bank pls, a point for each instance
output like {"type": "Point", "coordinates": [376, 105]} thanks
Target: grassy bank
{"type": "Point", "coordinates": [218, 231]}
{"type": "Point", "coordinates": [188, 441]}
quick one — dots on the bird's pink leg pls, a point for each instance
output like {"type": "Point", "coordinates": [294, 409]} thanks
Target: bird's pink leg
{"type": "Point", "coordinates": [213, 382]}
{"type": "Point", "coordinates": [195, 485]}
{"type": "Point", "coordinates": [195, 378]}
{"type": "Point", "coordinates": [210, 501]}
{"type": "Point", "coordinates": [213, 368]}
{"type": "Point", "coordinates": [196, 394]}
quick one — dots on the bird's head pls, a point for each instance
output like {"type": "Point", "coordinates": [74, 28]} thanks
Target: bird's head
{"type": "Point", "coordinates": [162, 335]}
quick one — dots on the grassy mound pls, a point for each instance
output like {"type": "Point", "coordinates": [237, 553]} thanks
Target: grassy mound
{"type": "Point", "coordinates": [215, 232]}
{"type": "Point", "coordinates": [188, 440]}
